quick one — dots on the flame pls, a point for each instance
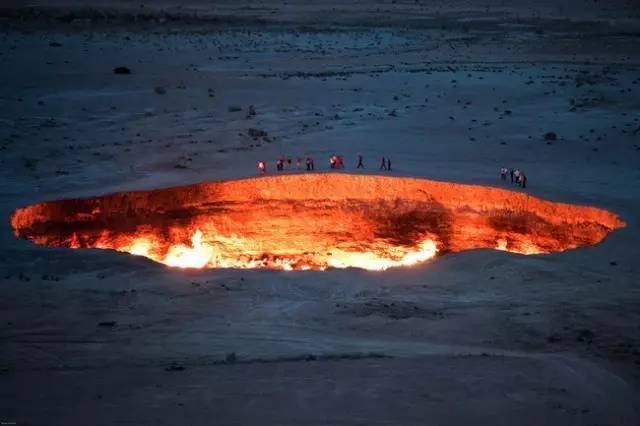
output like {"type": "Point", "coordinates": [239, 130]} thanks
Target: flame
{"type": "Point", "coordinates": [374, 262]}
{"type": "Point", "coordinates": [140, 247]}
{"type": "Point", "coordinates": [202, 254]}
{"type": "Point", "coordinates": [74, 243]}
{"type": "Point", "coordinates": [198, 255]}
{"type": "Point", "coordinates": [313, 222]}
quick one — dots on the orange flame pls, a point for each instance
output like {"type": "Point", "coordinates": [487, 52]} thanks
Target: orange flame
{"type": "Point", "coordinates": [201, 254]}
{"type": "Point", "coordinates": [313, 221]}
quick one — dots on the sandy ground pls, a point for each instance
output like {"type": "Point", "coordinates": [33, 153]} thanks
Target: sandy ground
{"type": "Point", "coordinates": [450, 91]}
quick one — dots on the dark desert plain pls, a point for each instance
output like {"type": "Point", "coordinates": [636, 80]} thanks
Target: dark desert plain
{"type": "Point", "coordinates": [450, 91]}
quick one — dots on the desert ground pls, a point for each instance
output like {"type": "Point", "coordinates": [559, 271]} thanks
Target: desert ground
{"type": "Point", "coordinates": [449, 90]}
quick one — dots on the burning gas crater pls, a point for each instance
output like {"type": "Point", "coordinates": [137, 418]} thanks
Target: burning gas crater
{"type": "Point", "coordinates": [313, 221]}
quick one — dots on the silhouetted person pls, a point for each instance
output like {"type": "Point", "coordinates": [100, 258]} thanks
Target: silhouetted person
{"type": "Point", "coordinates": [360, 164]}
{"type": "Point", "coordinates": [262, 167]}
{"type": "Point", "coordinates": [523, 180]}
{"type": "Point", "coordinates": [308, 163]}
{"type": "Point", "coordinates": [511, 173]}
{"type": "Point", "coordinates": [383, 164]}
{"type": "Point", "coordinates": [389, 164]}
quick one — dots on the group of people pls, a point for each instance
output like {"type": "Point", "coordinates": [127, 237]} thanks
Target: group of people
{"type": "Point", "coordinates": [283, 163]}
{"type": "Point", "coordinates": [385, 164]}
{"type": "Point", "coordinates": [335, 162]}
{"type": "Point", "coordinates": [516, 175]}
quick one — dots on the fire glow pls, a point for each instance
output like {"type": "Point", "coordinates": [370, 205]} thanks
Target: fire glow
{"type": "Point", "coordinates": [313, 222]}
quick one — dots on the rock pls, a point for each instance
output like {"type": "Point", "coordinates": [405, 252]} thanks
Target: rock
{"type": "Point", "coordinates": [550, 136]}
{"type": "Point", "coordinates": [107, 324]}
{"type": "Point", "coordinates": [230, 358]}
{"type": "Point", "coordinates": [256, 133]}
{"type": "Point", "coordinates": [46, 277]}
{"type": "Point", "coordinates": [55, 44]}
{"type": "Point", "coordinates": [121, 70]}
{"type": "Point", "coordinates": [174, 367]}
{"type": "Point", "coordinates": [252, 111]}
{"type": "Point", "coordinates": [160, 90]}
{"type": "Point", "coordinates": [235, 108]}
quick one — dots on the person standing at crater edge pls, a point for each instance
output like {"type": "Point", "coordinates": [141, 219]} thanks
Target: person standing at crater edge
{"type": "Point", "coordinates": [262, 167]}
{"type": "Point", "coordinates": [360, 163]}
{"type": "Point", "coordinates": [383, 164]}
{"type": "Point", "coordinates": [388, 164]}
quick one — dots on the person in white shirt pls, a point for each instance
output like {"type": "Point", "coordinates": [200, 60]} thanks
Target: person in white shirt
{"type": "Point", "coordinates": [516, 174]}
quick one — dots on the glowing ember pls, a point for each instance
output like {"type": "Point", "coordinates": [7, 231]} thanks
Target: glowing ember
{"type": "Point", "coordinates": [313, 221]}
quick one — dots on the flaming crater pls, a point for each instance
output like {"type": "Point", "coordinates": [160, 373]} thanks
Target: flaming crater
{"type": "Point", "coordinates": [313, 221]}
